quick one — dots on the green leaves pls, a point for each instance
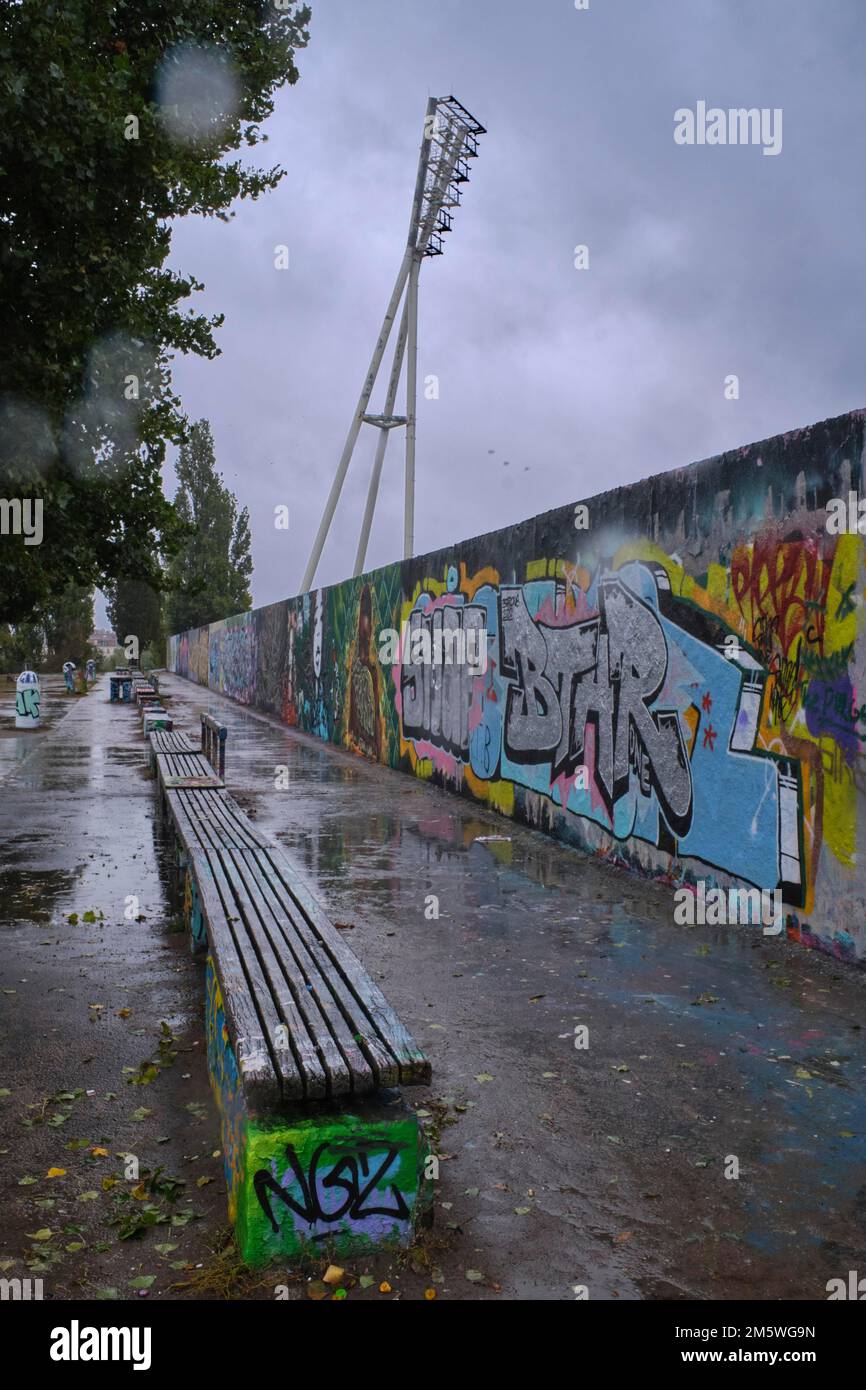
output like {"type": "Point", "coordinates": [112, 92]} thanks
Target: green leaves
{"type": "Point", "coordinates": [209, 578]}
{"type": "Point", "coordinates": [87, 205]}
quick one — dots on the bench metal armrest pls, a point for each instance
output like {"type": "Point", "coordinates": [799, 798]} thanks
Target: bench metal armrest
{"type": "Point", "coordinates": [213, 742]}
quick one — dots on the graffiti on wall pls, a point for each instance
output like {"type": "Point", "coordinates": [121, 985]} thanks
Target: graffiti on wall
{"type": "Point", "coordinates": [686, 718]}
{"type": "Point", "coordinates": [611, 676]}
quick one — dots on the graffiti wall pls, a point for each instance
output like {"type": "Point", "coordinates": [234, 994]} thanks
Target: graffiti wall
{"type": "Point", "coordinates": [671, 675]}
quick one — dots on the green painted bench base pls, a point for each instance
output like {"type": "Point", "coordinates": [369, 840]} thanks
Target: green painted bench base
{"type": "Point", "coordinates": [318, 1181]}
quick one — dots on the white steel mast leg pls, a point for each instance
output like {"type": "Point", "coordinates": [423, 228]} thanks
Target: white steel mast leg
{"type": "Point", "coordinates": [411, 399]}
{"type": "Point", "coordinates": [384, 431]}
{"type": "Point", "coordinates": [352, 437]}
{"type": "Point", "coordinates": [363, 402]}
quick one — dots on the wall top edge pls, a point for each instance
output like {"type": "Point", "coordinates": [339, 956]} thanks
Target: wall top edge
{"type": "Point", "coordinates": [779, 455]}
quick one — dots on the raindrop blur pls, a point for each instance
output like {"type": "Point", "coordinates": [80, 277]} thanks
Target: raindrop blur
{"type": "Point", "coordinates": [198, 93]}
{"type": "Point", "coordinates": [27, 445]}
{"type": "Point", "coordinates": [102, 429]}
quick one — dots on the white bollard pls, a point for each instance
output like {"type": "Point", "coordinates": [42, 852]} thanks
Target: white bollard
{"type": "Point", "coordinates": [27, 701]}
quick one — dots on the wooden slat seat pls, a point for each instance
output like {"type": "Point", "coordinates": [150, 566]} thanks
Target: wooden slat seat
{"type": "Point", "coordinates": [172, 742]}
{"type": "Point", "coordinates": [307, 1022]}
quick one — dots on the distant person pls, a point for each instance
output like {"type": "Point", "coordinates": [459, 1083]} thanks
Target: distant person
{"type": "Point", "coordinates": [68, 673]}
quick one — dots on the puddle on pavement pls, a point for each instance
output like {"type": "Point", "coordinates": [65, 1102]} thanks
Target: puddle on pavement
{"type": "Point", "coordinates": [31, 896]}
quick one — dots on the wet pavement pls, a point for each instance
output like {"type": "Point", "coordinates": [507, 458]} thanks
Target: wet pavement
{"type": "Point", "coordinates": [709, 1142]}
{"type": "Point", "coordinates": [93, 974]}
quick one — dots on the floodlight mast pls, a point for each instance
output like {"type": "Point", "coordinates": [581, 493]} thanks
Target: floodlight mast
{"type": "Point", "coordinates": [449, 141]}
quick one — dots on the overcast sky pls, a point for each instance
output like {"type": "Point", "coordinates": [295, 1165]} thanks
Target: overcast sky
{"type": "Point", "coordinates": [704, 261]}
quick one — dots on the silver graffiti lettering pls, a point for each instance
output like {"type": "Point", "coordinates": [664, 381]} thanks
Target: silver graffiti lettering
{"type": "Point", "coordinates": [605, 672]}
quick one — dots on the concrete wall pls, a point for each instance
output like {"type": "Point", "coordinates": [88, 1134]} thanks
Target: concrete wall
{"type": "Point", "coordinates": [675, 675]}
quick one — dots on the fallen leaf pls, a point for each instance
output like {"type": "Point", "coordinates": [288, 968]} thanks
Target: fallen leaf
{"type": "Point", "coordinates": [56, 1173]}
{"type": "Point", "coordinates": [484, 1076]}
{"type": "Point", "coordinates": [384, 1287]}
{"type": "Point", "coordinates": [333, 1274]}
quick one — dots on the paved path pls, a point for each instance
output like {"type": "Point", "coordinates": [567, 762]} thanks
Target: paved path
{"type": "Point", "coordinates": [91, 971]}
{"type": "Point", "coordinates": [603, 1167]}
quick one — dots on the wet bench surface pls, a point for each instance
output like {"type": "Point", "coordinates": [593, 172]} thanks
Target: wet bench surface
{"type": "Point", "coordinates": [307, 1021]}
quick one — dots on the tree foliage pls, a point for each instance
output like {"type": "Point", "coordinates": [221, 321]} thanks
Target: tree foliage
{"type": "Point", "coordinates": [60, 633]}
{"type": "Point", "coordinates": [209, 578]}
{"type": "Point", "coordinates": [116, 117]}
{"type": "Point", "coordinates": [135, 610]}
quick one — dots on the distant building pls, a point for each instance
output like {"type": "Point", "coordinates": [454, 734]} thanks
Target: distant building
{"type": "Point", "coordinates": [104, 640]}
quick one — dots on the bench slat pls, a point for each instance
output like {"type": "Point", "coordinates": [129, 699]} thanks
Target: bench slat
{"type": "Point", "coordinates": [324, 1069]}
{"type": "Point", "coordinates": [171, 741]}
{"type": "Point", "coordinates": [258, 1074]}
{"type": "Point", "coordinates": [318, 1002]}
{"type": "Point", "coordinates": [415, 1067]}
{"type": "Point", "coordinates": [382, 1059]}
{"type": "Point", "coordinates": [300, 1071]}
{"type": "Point", "coordinates": [229, 820]}
{"type": "Point", "coordinates": [227, 811]}
{"type": "Point", "coordinates": [230, 937]}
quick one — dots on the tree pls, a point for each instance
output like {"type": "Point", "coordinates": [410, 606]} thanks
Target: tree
{"type": "Point", "coordinates": [59, 634]}
{"type": "Point", "coordinates": [135, 610]}
{"type": "Point", "coordinates": [67, 625]}
{"type": "Point", "coordinates": [209, 578]}
{"type": "Point", "coordinates": [116, 117]}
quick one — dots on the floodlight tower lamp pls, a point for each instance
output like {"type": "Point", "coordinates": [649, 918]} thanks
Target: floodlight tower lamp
{"type": "Point", "coordinates": [449, 141]}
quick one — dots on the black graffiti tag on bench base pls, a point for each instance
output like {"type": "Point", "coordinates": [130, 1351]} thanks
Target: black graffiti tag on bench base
{"type": "Point", "coordinates": [352, 1172]}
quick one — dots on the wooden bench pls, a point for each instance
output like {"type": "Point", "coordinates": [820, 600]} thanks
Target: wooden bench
{"type": "Point", "coordinates": [174, 742]}
{"type": "Point", "coordinates": [304, 1050]}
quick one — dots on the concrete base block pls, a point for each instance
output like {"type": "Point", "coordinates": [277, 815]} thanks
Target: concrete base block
{"type": "Point", "coordinates": [320, 1180]}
